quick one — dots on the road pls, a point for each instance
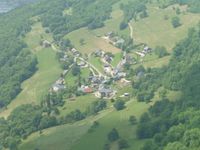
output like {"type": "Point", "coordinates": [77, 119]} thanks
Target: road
{"type": "Point", "coordinates": [92, 66]}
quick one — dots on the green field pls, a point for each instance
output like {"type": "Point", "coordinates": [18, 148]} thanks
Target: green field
{"type": "Point", "coordinates": [47, 73]}
{"type": "Point", "coordinates": [58, 138]}
{"type": "Point", "coordinates": [81, 103]}
{"type": "Point", "coordinates": [90, 42]}
{"type": "Point", "coordinates": [75, 136]}
{"type": "Point", "coordinates": [156, 31]}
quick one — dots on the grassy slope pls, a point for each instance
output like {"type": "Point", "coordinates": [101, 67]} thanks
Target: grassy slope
{"type": "Point", "coordinates": [75, 137]}
{"type": "Point", "coordinates": [48, 71]}
{"type": "Point", "coordinates": [58, 138]}
{"type": "Point", "coordinates": [91, 42]}
{"type": "Point", "coordinates": [154, 30]}
{"type": "Point", "coordinates": [117, 120]}
{"type": "Point", "coordinates": [80, 103]}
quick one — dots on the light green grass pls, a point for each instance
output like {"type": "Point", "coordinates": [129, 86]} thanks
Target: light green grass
{"type": "Point", "coordinates": [91, 42]}
{"type": "Point", "coordinates": [154, 30]}
{"type": "Point", "coordinates": [71, 80]}
{"type": "Point", "coordinates": [118, 120]}
{"type": "Point", "coordinates": [76, 137]}
{"type": "Point", "coordinates": [96, 62]}
{"type": "Point", "coordinates": [58, 138]}
{"type": "Point", "coordinates": [47, 73]}
{"type": "Point", "coordinates": [116, 59]}
{"type": "Point", "coordinates": [81, 103]}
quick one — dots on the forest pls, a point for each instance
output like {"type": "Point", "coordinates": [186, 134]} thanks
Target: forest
{"type": "Point", "coordinates": [175, 125]}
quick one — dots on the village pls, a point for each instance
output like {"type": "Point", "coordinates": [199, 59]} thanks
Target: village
{"type": "Point", "coordinates": [99, 83]}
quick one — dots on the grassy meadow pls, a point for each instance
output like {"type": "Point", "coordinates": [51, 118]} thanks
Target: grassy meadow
{"type": "Point", "coordinates": [156, 31]}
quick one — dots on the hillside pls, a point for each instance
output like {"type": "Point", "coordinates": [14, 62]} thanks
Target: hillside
{"type": "Point", "coordinates": [98, 74]}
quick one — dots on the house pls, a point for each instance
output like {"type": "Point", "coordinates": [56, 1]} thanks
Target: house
{"type": "Point", "coordinates": [99, 53]}
{"type": "Point", "coordinates": [109, 34]}
{"type": "Point", "coordinates": [146, 50]}
{"type": "Point", "coordinates": [119, 75]}
{"type": "Point", "coordinates": [57, 87]}
{"type": "Point", "coordinates": [120, 41]}
{"type": "Point", "coordinates": [96, 79]}
{"type": "Point", "coordinates": [108, 58]}
{"type": "Point", "coordinates": [82, 64]}
{"type": "Point", "coordinates": [46, 44]}
{"type": "Point", "coordinates": [105, 92]}
{"type": "Point", "coordinates": [75, 52]}
{"type": "Point", "coordinates": [64, 58]}
{"type": "Point", "coordinates": [107, 69]}
{"type": "Point", "coordinates": [60, 81]}
{"type": "Point", "coordinates": [85, 89]}
{"type": "Point", "coordinates": [128, 59]}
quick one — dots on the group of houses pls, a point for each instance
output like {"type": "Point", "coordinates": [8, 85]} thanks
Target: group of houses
{"type": "Point", "coordinates": [58, 85]}
{"type": "Point", "coordinates": [144, 52]}
{"type": "Point", "coordinates": [115, 40]}
{"type": "Point", "coordinates": [97, 83]}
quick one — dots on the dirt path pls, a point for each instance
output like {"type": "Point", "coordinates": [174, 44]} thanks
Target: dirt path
{"type": "Point", "coordinates": [131, 30]}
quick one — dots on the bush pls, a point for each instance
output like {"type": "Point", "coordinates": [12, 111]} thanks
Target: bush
{"type": "Point", "coordinates": [76, 70]}
{"type": "Point", "coordinates": [113, 135]}
{"type": "Point", "coordinates": [123, 25]}
{"type": "Point", "coordinates": [161, 51]}
{"type": "Point", "coordinates": [119, 105]}
{"type": "Point", "coordinates": [123, 144]}
{"type": "Point", "coordinates": [176, 22]}
{"type": "Point", "coordinates": [132, 120]}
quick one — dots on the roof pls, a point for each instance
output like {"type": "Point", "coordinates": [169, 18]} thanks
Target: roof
{"type": "Point", "coordinates": [59, 86]}
{"type": "Point", "coordinates": [105, 90]}
{"type": "Point", "coordinates": [88, 90]}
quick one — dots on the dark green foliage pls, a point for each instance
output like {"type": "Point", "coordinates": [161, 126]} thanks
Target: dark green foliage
{"type": "Point", "coordinates": [119, 104]}
{"type": "Point", "coordinates": [90, 13]}
{"type": "Point", "coordinates": [132, 120]}
{"type": "Point", "coordinates": [76, 70]}
{"type": "Point", "coordinates": [133, 8]}
{"type": "Point", "coordinates": [176, 22]}
{"type": "Point", "coordinates": [97, 106]}
{"type": "Point", "coordinates": [17, 63]}
{"type": "Point", "coordinates": [175, 125]}
{"type": "Point", "coordinates": [123, 144]}
{"type": "Point", "coordinates": [113, 135]}
{"type": "Point", "coordinates": [161, 51]}
{"type": "Point", "coordinates": [75, 115]}
{"type": "Point", "coordinates": [123, 25]}
{"type": "Point", "coordinates": [94, 126]}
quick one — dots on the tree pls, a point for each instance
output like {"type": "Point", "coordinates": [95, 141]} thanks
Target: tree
{"type": "Point", "coordinates": [175, 146]}
{"type": "Point", "coordinates": [144, 14]}
{"type": "Point", "coordinates": [178, 11]}
{"type": "Point", "coordinates": [132, 120]}
{"type": "Point", "coordinates": [161, 51]}
{"type": "Point", "coordinates": [123, 25]}
{"type": "Point", "coordinates": [123, 144]}
{"type": "Point", "coordinates": [76, 70]}
{"type": "Point", "coordinates": [119, 104]}
{"type": "Point", "coordinates": [149, 145]}
{"type": "Point", "coordinates": [113, 135]}
{"type": "Point", "coordinates": [82, 41]}
{"type": "Point", "coordinates": [176, 22]}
